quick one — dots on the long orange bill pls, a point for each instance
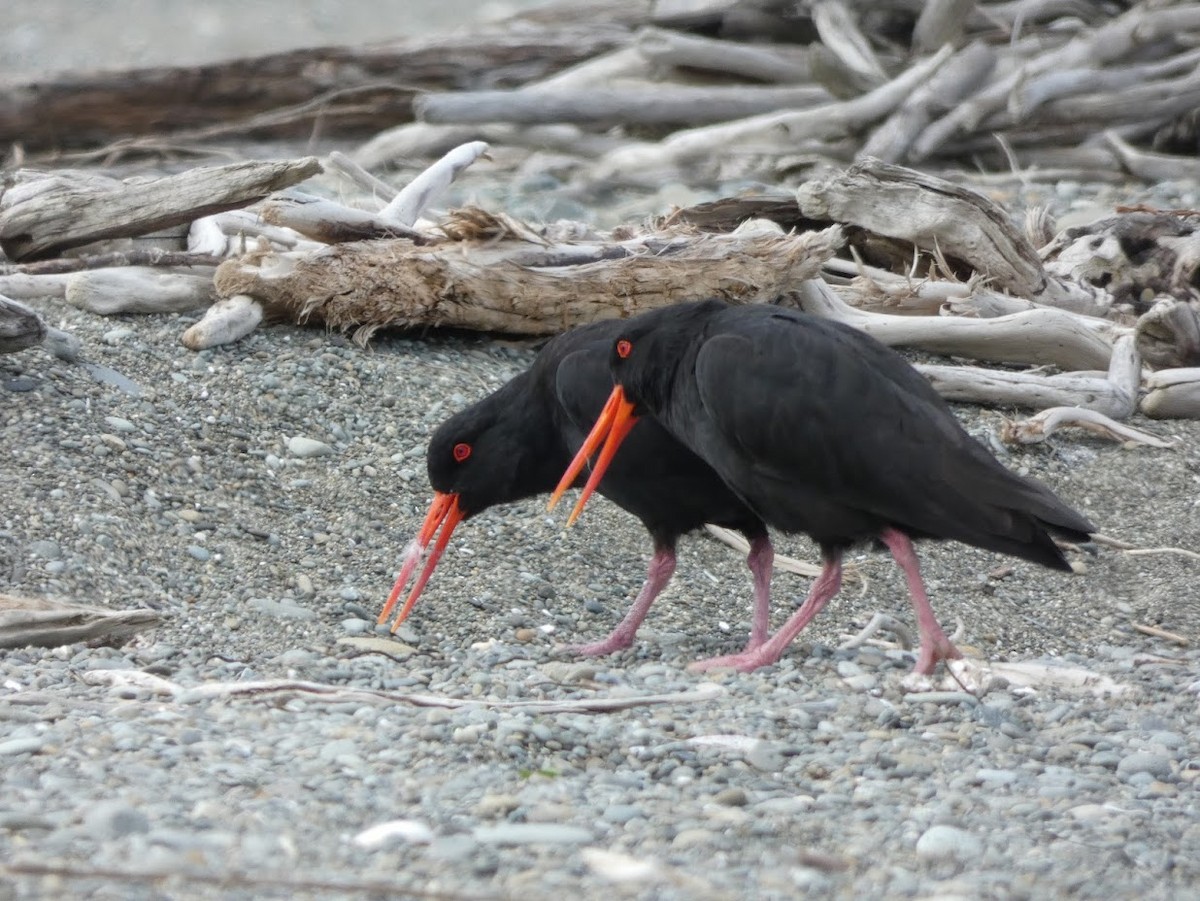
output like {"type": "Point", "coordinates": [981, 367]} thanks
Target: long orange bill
{"type": "Point", "coordinates": [589, 447]}
{"type": "Point", "coordinates": [452, 517]}
{"type": "Point", "coordinates": [613, 425]}
{"type": "Point", "coordinates": [416, 549]}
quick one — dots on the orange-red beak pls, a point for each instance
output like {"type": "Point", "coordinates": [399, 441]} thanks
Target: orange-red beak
{"type": "Point", "coordinates": [444, 514]}
{"type": "Point", "coordinates": [616, 419]}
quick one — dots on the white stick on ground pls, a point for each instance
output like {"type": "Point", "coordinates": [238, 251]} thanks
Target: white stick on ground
{"type": "Point", "coordinates": [225, 321]}
{"type": "Point", "coordinates": [407, 206]}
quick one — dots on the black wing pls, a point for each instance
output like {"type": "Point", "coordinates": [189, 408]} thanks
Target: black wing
{"type": "Point", "coordinates": [838, 435]}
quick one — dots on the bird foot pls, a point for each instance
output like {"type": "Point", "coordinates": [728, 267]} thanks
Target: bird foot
{"type": "Point", "coordinates": [934, 651]}
{"type": "Point", "coordinates": [961, 675]}
{"type": "Point", "coordinates": [610, 645]}
{"type": "Point", "coordinates": [745, 662]}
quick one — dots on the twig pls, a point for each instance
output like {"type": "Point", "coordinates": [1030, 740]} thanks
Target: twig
{"type": "Point", "coordinates": [286, 689]}
{"type": "Point", "coordinates": [782, 561]}
{"type": "Point", "coordinates": [1161, 633]}
{"type": "Point", "coordinates": [1134, 550]}
{"type": "Point", "coordinates": [1040, 427]}
{"type": "Point", "coordinates": [881, 621]}
{"type": "Point", "coordinates": [230, 879]}
{"type": "Point", "coordinates": [145, 257]}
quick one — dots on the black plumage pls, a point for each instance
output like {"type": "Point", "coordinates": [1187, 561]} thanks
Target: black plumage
{"type": "Point", "coordinates": [823, 430]}
{"type": "Point", "coordinates": [516, 442]}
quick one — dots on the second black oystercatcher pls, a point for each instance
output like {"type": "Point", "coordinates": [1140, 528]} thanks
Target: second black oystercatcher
{"type": "Point", "coordinates": [823, 430]}
{"type": "Point", "coordinates": [515, 444]}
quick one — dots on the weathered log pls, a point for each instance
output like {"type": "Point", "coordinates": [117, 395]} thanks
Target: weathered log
{"type": "Point", "coordinates": [1114, 394]}
{"type": "Point", "coordinates": [960, 77]}
{"type": "Point", "coordinates": [841, 36]}
{"type": "Point", "coordinates": [44, 214]}
{"type": "Point", "coordinates": [20, 286]}
{"type": "Point", "coordinates": [1153, 166]}
{"type": "Point", "coordinates": [20, 327]}
{"type": "Point", "coordinates": [778, 63]}
{"type": "Point", "coordinates": [1037, 337]}
{"type": "Point", "coordinates": [135, 289]}
{"type": "Point", "coordinates": [643, 105]}
{"type": "Point", "coordinates": [1168, 334]}
{"type": "Point", "coordinates": [360, 89]}
{"type": "Point", "coordinates": [1094, 47]}
{"type": "Point", "coordinates": [372, 285]}
{"type": "Point", "coordinates": [944, 219]}
{"type": "Point", "coordinates": [1173, 394]}
{"type": "Point", "coordinates": [941, 22]}
{"type": "Point", "coordinates": [42, 622]}
{"type": "Point", "coordinates": [827, 122]}
{"type": "Point", "coordinates": [1136, 256]}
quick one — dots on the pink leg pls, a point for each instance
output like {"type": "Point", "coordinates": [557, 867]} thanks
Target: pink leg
{"type": "Point", "coordinates": [662, 567]}
{"type": "Point", "coordinates": [935, 645]}
{"type": "Point", "coordinates": [760, 561]}
{"type": "Point", "coordinates": [824, 588]}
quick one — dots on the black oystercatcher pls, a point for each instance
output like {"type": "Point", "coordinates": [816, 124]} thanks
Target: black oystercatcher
{"type": "Point", "coordinates": [516, 442]}
{"type": "Point", "coordinates": [821, 429]}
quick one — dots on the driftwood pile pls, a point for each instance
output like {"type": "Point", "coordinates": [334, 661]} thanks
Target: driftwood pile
{"type": "Point", "coordinates": [826, 96]}
{"type": "Point", "coordinates": [647, 91]}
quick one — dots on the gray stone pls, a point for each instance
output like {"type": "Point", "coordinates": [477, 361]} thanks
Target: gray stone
{"type": "Point", "coordinates": [1155, 765]}
{"type": "Point", "coordinates": [114, 819]}
{"type": "Point", "coordinates": [299, 446]}
{"type": "Point", "coordinates": [948, 843]}
{"type": "Point", "coordinates": [46, 549]}
{"type": "Point", "coordinates": [532, 834]}
{"type": "Point", "coordinates": [15, 746]}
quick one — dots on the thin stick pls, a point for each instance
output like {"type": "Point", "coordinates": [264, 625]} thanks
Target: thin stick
{"type": "Point", "coordinates": [285, 689]}
{"type": "Point", "coordinates": [229, 879]}
{"type": "Point", "coordinates": [1161, 633]}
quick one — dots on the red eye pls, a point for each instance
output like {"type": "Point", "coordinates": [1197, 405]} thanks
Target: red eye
{"type": "Point", "coordinates": [624, 348]}
{"type": "Point", "coordinates": [462, 451]}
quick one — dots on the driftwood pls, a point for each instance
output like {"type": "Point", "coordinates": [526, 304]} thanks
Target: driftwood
{"type": "Point", "coordinates": [962, 226]}
{"type": "Point", "coordinates": [1036, 337]}
{"type": "Point", "coordinates": [500, 287]}
{"type": "Point", "coordinates": [352, 90]}
{"type": "Point", "coordinates": [140, 290]}
{"type": "Point", "coordinates": [47, 623]}
{"type": "Point", "coordinates": [1173, 393]}
{"type": "Point", "coordinates": [44, 214]}
{"type": "Point", "coordinates": [20, 327]}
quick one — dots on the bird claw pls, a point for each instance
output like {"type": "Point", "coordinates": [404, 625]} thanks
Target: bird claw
{"type": "Point", "coordinates": [745, 662]}
{"type": "Point", "coordinates": [609, 645]}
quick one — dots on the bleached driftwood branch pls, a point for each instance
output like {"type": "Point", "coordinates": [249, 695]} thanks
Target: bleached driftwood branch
{"type": "Point", "coordinates": [1115, 394]}
{"type": "Point", "coordinates": [1040, 427]}
{"type": "Point", "coordinates": [47, 623]}
{"type": "Point", "coordinates": [1036, 337]}
{"type": "Point", "coordinates": [136, 289]}
{"type": "Point", "coordinates": [43, 214]}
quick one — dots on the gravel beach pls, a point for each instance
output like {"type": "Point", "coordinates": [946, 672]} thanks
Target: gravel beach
{"type": "Point", "coordinates": [259, 495]}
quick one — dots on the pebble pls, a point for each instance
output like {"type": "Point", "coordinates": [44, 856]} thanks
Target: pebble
{"type": "Point", "coordinates": [531, 834]}
{"type": "Point", "coordinates": [948, 843]}
{"type": "Point", "coordinates": [106, 820]}
{"type": "Point", "coordinates": [15, 746]}
{"type": "Point", "coordinates": [299, 446]}
{"type": "Point", "coordinates": [1144, 762]}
